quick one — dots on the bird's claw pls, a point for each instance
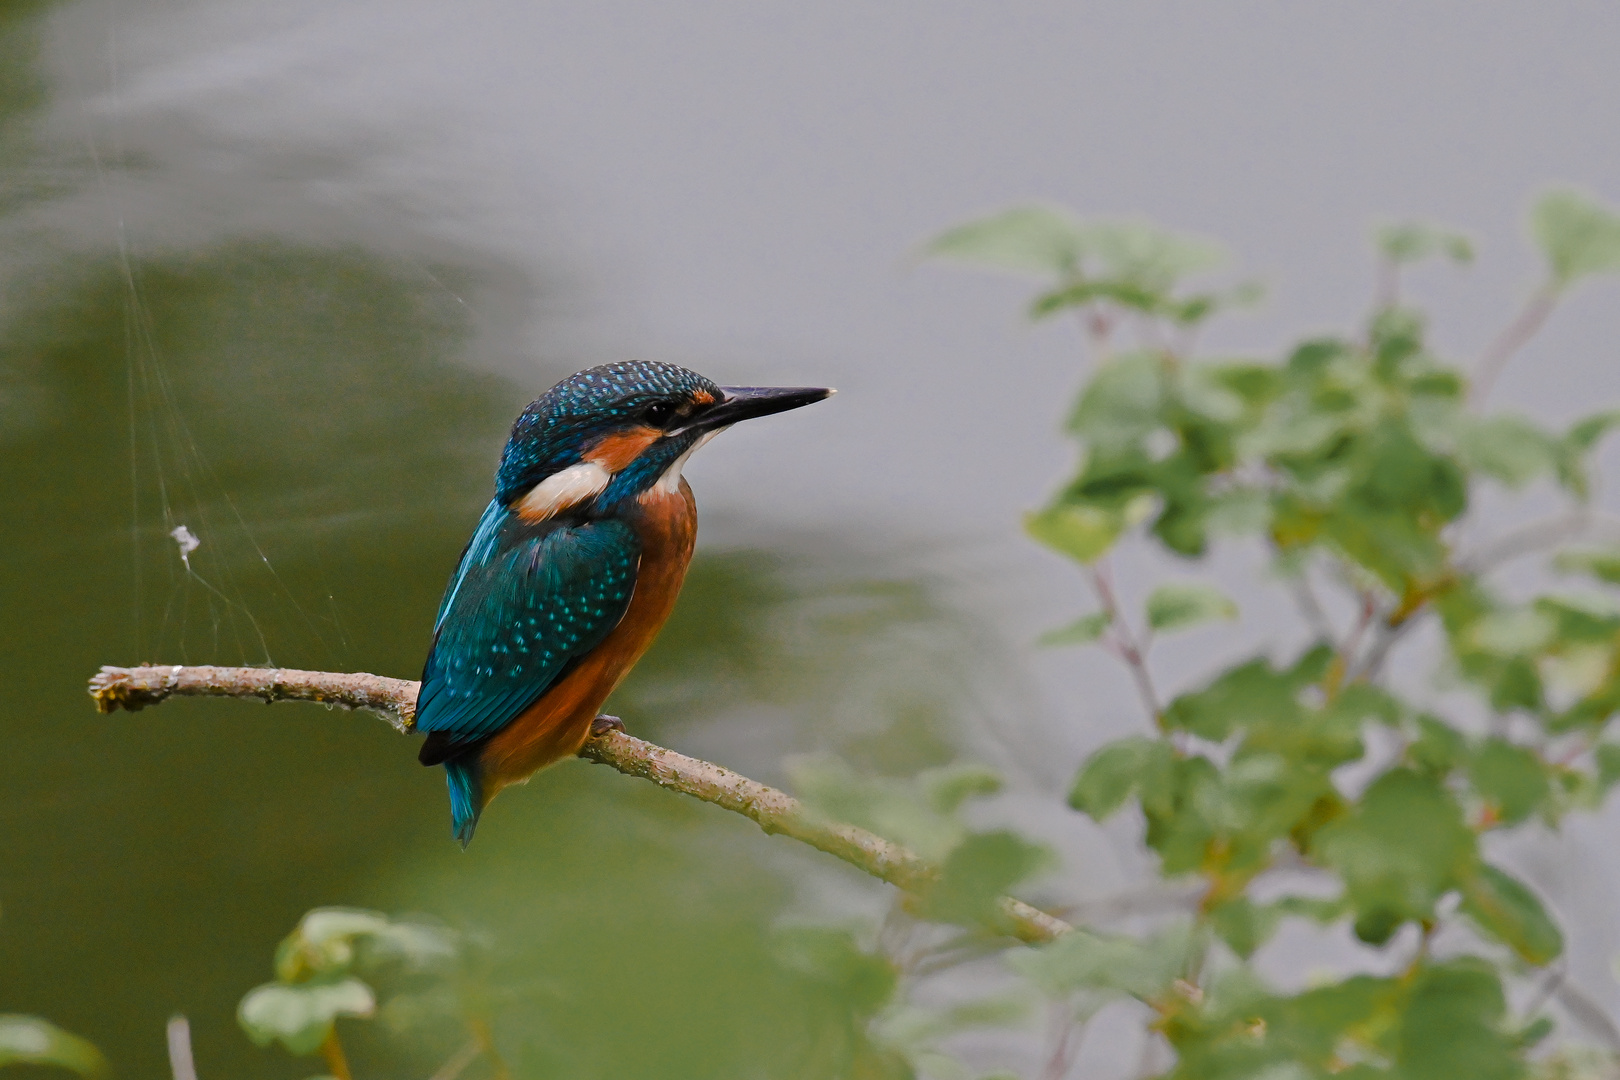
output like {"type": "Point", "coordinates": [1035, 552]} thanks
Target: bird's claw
{"type": "Point", "coordinates": [604, 724]}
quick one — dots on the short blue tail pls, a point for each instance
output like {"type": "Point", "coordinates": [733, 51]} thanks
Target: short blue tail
{"type": "Point", "coordinates": [466, 796]}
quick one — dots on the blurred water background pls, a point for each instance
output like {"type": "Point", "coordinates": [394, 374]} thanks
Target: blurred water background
{"type": "Point", "coordinates": [284, 272]}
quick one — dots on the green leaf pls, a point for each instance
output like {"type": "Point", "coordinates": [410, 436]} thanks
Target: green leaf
{"type": "Point", "coordinates": [1239, 511]}
{"type": "Point", "coordinates": [1453, 1026]}
{"type": "Point", "coordinates": [1402, 847]}
{"type": "Point", "coordinates": [1603, 565]}
{"type": "Point", "coordinates": [1244, 925]}
{"type": "Point", "coordinates": [1590, 618]}
{"type": "Point", "coordinates": [1036, 239]}
{"type": "Point", "coordinates": [1082, 631]}
{"type": "Point", "coordinates": [948, 787]}
{"type": "Point", "coordinates": [1505, 909]}
{"type": "Point", "coordinates": [1251, 694]}
{"type": "Point", "coordinates": [1512, 779]}
{"type": "Point", "coordinates": [1578, 235]}
{"type": "Point", "coordinates": [1180, 605]}
{"type": "Point", "coordinates": [1414, 241]}
{"type": "Point", "coordinates": [1083, 533]}
{"type": "Point", "coordinates": [1113, 773]}
{"type": "Point", "coordinates": [1512, 632]}
{"type": "Point", "coordinates": [830, 957]}
{"type": "Point", "coordinates": [1138, 250]}
{"type": "Point", "coordinates": [978, 871]}
{"type": "Point", "coordinates": [1319, 910]}
{"type": "Point", "coordinates": [1082, 960]}
{"type": "Point", "coordinates": [1125, 294]}
{"type": "Point", "coordinates": [1438, 747]}
{"type": "Point", "coordinates": [330, 940]}
{"type": "Point", "coordinates": [1191, 310]}
{"type": "Point", "coordinates": [919, 812]}
{"type": "Point", "coordinates": [1316, 1026]}
{"type": "Point", "coordinates": [300, 1016]}
{"type": "Point", "coordinates": [1506, 448]}
{"type": "Point", "coordinates": [28, 1040]}
{"type": "Point", "coordinates": [1123, 403]}
{"type": "Point", "coordinates": [1584, 434]}
{"type": "Point", "coordinates": [1607, 758]}
{"type": "Point", "coordinates": [916, 1030]}
{"type": "Point", "coordinates": [890, 808]}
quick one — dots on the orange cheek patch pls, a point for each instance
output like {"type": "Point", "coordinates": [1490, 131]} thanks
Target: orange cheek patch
{"type": "Point", "coordinates": [613, 452]}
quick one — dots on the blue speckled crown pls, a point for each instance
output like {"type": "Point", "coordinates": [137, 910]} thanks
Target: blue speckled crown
{"type": "Point", "coordinates": [552, 431]}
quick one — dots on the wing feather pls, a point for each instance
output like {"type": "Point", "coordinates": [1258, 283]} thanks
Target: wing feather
{"type": "Point", "coordinates": [525, 603]}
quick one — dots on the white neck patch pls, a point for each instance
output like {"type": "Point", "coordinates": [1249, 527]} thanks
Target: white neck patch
{"type": "Point", "coordinates": [670, 482]}
{"type": "Point", "coordinates": [561, 490]}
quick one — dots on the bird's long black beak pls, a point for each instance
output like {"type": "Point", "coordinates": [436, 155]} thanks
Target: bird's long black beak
{"type": "Point", "coordinates": [746, 402]}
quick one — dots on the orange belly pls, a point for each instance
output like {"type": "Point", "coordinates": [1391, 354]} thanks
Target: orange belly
{"type": "Point", "coordinates": [558, 724]}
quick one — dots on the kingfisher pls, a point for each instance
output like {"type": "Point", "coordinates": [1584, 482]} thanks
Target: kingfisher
{"type": "Point", "coordinates": [571, 572]}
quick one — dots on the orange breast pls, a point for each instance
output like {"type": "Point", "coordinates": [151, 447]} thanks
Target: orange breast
{"type": "Point", "coordinates": [558, 724]}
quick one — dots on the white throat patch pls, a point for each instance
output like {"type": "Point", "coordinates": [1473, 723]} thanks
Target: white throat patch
{"type": "Point", "coordinates": [563, 489]}
{"type": "Point", "coordinates": [670, 482]}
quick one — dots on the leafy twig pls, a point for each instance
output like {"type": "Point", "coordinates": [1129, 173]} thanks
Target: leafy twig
{"type": "Point", "coordinates": [772, 810]}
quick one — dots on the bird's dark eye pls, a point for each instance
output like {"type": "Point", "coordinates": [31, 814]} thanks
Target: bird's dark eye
{"type": "Point", "coordinates": [658, 413]}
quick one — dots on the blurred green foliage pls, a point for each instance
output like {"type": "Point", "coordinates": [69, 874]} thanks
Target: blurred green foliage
{"type": "Point", "coordinates": [1353, 462]}
{"type": "Point", "coordinates": [28, 1040]}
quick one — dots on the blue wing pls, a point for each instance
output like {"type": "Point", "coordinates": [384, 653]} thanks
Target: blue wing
{"type": "Point", "coordinates": [525, 602]}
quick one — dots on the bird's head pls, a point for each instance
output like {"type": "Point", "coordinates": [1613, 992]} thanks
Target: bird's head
{"type": "Point", "coordinates": [611, 433]}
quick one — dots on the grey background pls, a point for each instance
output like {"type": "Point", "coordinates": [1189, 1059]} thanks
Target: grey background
{"type": "Point", "coordinates": [739, 186]}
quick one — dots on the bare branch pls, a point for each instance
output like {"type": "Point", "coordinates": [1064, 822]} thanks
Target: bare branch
{"type": "Point", "coordinates": [394, 700]}
{"type": "Point", "coordinates": [772, 810]}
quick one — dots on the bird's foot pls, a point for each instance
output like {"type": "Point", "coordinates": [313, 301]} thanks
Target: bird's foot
{"type": "Point", "coordinates": [604, 724]}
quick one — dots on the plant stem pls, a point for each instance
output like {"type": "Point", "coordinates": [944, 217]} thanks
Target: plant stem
{"type": "Point", "coordinates": [1310, 607]}
{"type": "Point", "coordinates": [332, 1053]}
{"type": "Point", "coordinates": [182, 1065]}
{"type": "Point", "coordinates": [1127, 647]}
{"type": "Point", "coordinates": [485, 1038]}
{"type": "Point", "coordinates": [1065, 1032]}
{"type": "Point", "coordinates": [458, 1061]}
{"type": "Point", "coordinates": [1098, 323]}
{"type": "Point", "coordinates": [1513, 337]}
